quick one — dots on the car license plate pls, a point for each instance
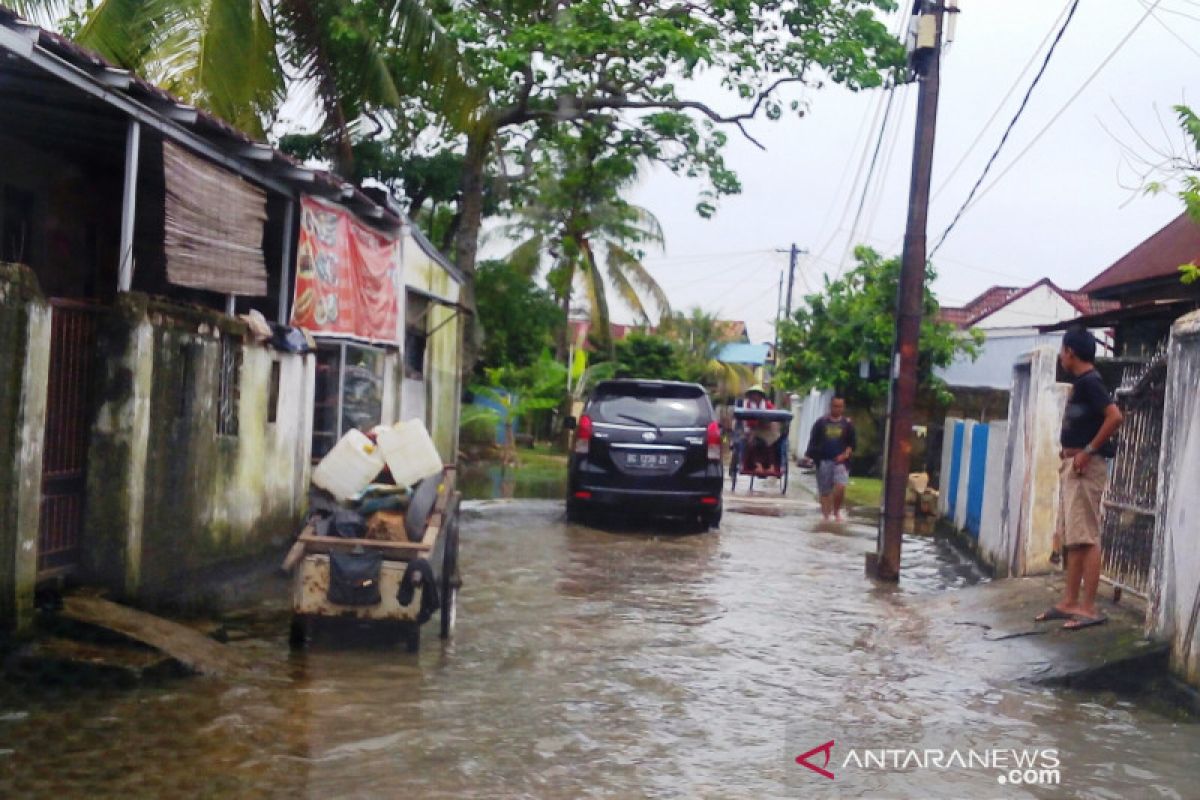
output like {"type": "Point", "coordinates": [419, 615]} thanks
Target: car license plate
{"type": "Point", "coordinates": [648, 460]}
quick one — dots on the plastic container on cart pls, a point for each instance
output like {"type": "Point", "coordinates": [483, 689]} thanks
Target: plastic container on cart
{"type": "Point", "coordinates": [409, 452]}
{"type": "Point", "coordinates": [352, 464]}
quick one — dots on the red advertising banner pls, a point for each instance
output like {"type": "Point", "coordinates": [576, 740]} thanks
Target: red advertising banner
{"type": "Point", "coordinates": [347, 275]}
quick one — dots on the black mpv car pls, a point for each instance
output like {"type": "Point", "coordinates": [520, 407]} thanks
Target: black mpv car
{"type": "Point", "coordinates": [647, 446]}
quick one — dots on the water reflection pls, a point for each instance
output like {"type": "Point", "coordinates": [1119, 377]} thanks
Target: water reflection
{"type": "Point", "coordinates": [603, 663]}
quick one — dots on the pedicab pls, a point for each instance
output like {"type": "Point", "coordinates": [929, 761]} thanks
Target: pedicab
{"type": "Point", "coordinates": [750, 424]}
{"type": "Point", "coordinates": [391, 585]}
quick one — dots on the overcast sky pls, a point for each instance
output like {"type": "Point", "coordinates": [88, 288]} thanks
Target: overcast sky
{"type": "Point", "coordinates": [1066, 210]}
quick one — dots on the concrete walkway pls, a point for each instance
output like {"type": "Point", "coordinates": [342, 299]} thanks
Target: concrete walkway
{"type": "Point", "coordinates": [992, 624]}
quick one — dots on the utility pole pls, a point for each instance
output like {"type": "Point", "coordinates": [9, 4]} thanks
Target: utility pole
{"type": "Point", "coordinates": [926, 61]}
{"type": "Point", "coordinates": [795, 254]}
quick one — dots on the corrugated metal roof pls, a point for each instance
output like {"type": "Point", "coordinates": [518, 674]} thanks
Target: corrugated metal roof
{"type": "Point", "coordinates": [1159, 256]}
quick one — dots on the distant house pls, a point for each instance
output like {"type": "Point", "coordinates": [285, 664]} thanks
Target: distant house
{"type": "Point", "coordinates": [1010, 318]}
{"type": "Point", "coordinates": [583, 332]}
{"type": "Point", "coordinates": [734, 331]}
{"type": "Point", "coordinates": [1141, 294]}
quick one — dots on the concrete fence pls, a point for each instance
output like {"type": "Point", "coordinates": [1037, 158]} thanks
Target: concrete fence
{"type": "Point", "coordinates": [999, 480]}
{"type": "Point", "coordinates": [1174, 610]}
{"type": "Point", "coordinates": [806, 410]}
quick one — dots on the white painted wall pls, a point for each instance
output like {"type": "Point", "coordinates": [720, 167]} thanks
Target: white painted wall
{"type": "Point", "coordinates": [944, 474]}
{"type": "Point", "coordinates": [1042, 306]}
{"type": "Point", "coordinates": [1030, 508]}
{"type": "Point", "coordinates": [806, 411]}
{"type": "Point", "coordinates": [995, 482]}
{"type": "Point", "coordinates": [1175, 573]}
{"type": "Point", "coordinates": [964, 475]}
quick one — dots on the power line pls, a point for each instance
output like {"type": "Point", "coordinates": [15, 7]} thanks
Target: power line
{"type": "Point", "coordinates": [1062, 109]}
{"type": "Point", "coordinates": [1012, 124]}
{"type": "Point", "coordinates": [1000, 106]}
{"type": "Point", "coordinates": [862, 200]}
{"type": "Point", "coordinates": [1171, 30]}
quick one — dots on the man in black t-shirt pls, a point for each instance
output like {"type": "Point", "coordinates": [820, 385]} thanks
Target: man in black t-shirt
{"type": "Point", "coordinates": [830, 445]}
{"type": "Point", "coordinates": [1090, 420]}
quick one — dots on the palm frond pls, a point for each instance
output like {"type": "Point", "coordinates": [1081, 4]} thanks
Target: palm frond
{"type": "Point", "coordinates": [617, 277]}
{"type": "Point", "coordinates": [526, 258]}
{"type": "Point", "coordinates": [597, 295]}
{"type": "Point", "coordinates": [637, 275]}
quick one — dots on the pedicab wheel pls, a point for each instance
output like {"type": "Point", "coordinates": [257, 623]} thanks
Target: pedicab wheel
{"type": "Point", "coordinates": [298, 632]}
{"type": "Point", "coordinates": [450, 578]}
{"type": "Point", "coordinates": [783, 479]}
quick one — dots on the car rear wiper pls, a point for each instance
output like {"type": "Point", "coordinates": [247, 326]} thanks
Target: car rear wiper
{"type": "Point", "coordinates": [641, 421]}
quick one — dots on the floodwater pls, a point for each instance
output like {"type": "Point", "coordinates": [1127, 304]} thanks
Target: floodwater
{"type": "Point", "coordinates": [605, 663]}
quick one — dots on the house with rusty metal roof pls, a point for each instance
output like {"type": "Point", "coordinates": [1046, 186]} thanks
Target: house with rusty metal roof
{"type": "Point", "coordinates": [1142, 290]}
{"type": "Point", "coordinates": [159, 270]}
{"type": "Point", "coordinates": [1010, 318]}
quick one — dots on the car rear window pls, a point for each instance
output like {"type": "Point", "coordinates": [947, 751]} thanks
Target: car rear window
{"type": "Point", "coordinates": [662, 406]}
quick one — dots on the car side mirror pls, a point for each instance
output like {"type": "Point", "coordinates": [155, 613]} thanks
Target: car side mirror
{"type": "Point", "coordinates": [569, 423]}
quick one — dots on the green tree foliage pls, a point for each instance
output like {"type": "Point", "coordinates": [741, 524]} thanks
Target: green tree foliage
{"type": "Point", "coordinates": [538, 64]}
{"type": "Point", "coordinates": [853, 319]}
{"type": "Point", "coordinates": [1188, 173]}
{"type": "Point", "coordinates": [645, 355]}
{"type": "Point", "coordinates": [237, 58]}
{"type": "Point", "coordinates": [576, 223]}
{"type": "Point", "coordinates": [519, 319]}
{"type": "Point", "coordinates": [526, 394]}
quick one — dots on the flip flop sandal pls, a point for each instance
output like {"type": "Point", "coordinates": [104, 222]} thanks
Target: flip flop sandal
{"type": "Point", "coordinates": [1053, 613]}
{"type": "Point", "coordinates": [1084, 622]}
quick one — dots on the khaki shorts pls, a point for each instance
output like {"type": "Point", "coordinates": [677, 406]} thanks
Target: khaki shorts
{"type": "Point", "coordinates": [1079, 502]}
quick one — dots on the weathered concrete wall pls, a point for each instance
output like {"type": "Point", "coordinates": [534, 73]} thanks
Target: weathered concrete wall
{"type": "Point", "coordinates": [991, 549]}
{"type": "Point", "coordinates": [964, 475]}
{"type": "Point", "coordinates": [444, 375]}
{"type": "Point", "coordinates": [1174, 612]}
{"type": "Point", "coordinates": [170, 498]}
{"type": "Point", "coordinates": [1030, 508]}
{"type": "Point", "coordinates": [24, 362]}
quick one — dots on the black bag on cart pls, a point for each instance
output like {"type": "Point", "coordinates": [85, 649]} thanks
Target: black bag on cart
{"type": "Point", "coordinates": [354, 578]}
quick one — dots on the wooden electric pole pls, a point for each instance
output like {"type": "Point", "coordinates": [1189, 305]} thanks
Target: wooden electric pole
{"type": "Point", "coordinates": [910, 302]}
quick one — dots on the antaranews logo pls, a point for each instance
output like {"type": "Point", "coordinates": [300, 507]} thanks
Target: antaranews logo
{"type": "Point", "coordinates": [1028, 766]}
{"type": "Point", "coordinates": [827, 749]}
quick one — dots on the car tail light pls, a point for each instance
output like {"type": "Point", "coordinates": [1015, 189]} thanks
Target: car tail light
{"type": "Point", "coordinates": [714, 442]}
{"type": "Point", "coordinates": [583, 495]}
{"type": "Point", "coordinates": [583, 434]}
{"type": "Point", "coordinates": [708, 501]}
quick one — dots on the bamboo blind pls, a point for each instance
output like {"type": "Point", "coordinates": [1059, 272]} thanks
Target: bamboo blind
{"type": "Point", "coordinates": [214, 227]}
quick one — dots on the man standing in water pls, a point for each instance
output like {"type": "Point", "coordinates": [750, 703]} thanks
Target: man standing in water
{"type": "Point", "coordinates": [830, 445]}
{"type": "Point", "coordinates": [1090, 420]}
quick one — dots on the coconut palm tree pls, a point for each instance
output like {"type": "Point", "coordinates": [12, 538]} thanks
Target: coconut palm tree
{"type": "Point", "coordinates": [700, 336]}
{"type": "Point", "coordinates": [578, 229]}
{"type": "Point", "coordinates": [239, 58]}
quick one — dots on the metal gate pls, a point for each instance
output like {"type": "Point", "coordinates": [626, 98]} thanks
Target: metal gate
{"type": "Point", "coordinates": [1130, 498]}
{"type": "Point", "coordinates": [65, 447]}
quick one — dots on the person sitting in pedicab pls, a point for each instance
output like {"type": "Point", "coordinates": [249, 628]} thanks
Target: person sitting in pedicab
{"type": "Point", "coordinates": [759, 455]}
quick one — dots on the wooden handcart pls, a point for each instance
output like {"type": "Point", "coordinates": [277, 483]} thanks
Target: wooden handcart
{"type": "Point", "coordinates": [431, 524]}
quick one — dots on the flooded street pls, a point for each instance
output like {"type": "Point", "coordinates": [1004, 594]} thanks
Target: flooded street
{"type": "Point", "coordinates": [605, 663]}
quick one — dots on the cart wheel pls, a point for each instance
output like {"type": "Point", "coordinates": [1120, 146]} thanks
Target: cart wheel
{"type": "Point", "coordinates": [412, 638]}
{"type": "Point", "coordinates": [298, 632]}
{"type": "Point", "coordinates": [450, 577]}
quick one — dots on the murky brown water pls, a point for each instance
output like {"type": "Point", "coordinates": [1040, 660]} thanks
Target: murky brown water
{"type": "Point", "coordinates": [603, 664]}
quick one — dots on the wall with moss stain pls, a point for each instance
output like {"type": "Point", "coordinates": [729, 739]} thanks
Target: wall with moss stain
{"type": "Point", "coordinates": [204, 499]}
{"type": "Point", "coordinates": [24, 360]}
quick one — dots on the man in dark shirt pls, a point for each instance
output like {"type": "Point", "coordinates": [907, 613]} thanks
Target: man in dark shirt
{"type": "Point", "coordinates": [830, 445]}
{"type": "Point", "coordinates": [1090, 420]}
